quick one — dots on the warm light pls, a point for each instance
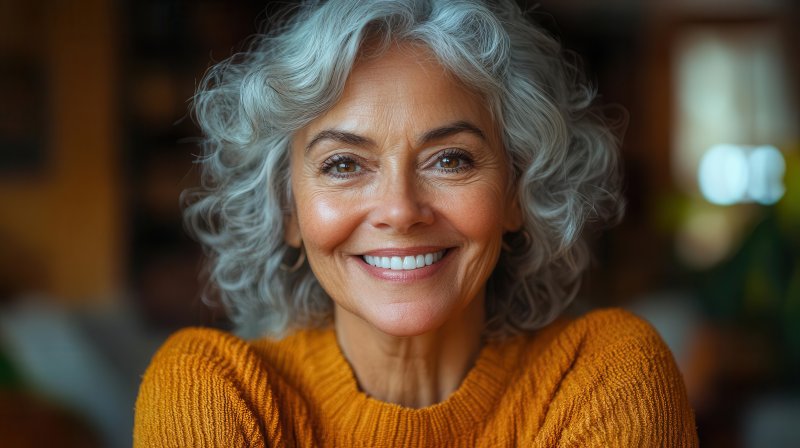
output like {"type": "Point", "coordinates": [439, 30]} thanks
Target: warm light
{"type": "Point", "coordinates": [731, 174]}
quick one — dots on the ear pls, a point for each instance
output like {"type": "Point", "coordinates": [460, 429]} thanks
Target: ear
{"type": "Point", "coordinates": [512, 220]}
{"type": "Point", "coordinates": [291, 230]}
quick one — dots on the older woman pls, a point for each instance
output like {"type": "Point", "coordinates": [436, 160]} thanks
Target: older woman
{"type": "Point", "coordinates": [392, 200]}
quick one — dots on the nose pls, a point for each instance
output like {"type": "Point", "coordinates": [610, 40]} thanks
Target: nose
{"type": "Point", "coordinates": [401, 205]}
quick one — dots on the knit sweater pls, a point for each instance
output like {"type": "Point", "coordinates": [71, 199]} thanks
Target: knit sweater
{"type": "Point", "coordinates": [606, 379]}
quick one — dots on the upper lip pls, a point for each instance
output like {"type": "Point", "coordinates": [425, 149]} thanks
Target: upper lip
{"type": "Point", "coordinates": [402, 252]}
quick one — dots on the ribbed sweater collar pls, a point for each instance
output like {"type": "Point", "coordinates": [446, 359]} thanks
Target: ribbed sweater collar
{"type": "Point", "coordinates": [350, 411]}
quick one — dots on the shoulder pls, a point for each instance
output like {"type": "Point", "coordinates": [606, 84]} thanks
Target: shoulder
{"type": "Point", "coordinates": [594, 336]}
{"type": "Point", "coordinates": [199, 390]}
{"type": "Point", "coordinates": [617, 384]}
{"type": "Point", "coordinates": [201, 356]}
{"type": "Point", "coordinates": [605, 330]}
{"type": "Point", "coordinates": [616, 349]}
{"type": "Point", "coordinates": [296, 350]}
{"type": "Point", "coordinates": [200, 343]}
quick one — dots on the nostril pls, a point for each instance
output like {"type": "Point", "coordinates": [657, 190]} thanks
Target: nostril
{"type": "Point", "coordinates": [401, 213]}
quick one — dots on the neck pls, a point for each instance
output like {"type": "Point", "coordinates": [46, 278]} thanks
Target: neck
{"type": "Point", "coordinates": [412, 371]}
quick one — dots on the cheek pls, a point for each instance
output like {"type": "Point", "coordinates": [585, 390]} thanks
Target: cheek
{"type": "Point", "coordinates": [325, 222]}
{"type": "Point", "coordinates": [477, 213]}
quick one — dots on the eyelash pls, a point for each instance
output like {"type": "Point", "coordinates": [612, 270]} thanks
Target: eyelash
{"type": "Point", "coordinates": [466, 159]}
{"type": "Point", "coordinates": [329, 165]}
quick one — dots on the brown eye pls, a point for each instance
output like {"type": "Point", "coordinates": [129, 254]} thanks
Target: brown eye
{"type": "Point", "coordinates": [347, 166]}
{"type": "Point", "coordinates": [449, 162]}
{"type": "Point", "coordinates": [453, 161]}
{"type": "Point", "coordinates": [341, 166]}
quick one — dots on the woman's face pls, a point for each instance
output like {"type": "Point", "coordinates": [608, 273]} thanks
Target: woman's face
{"type": "Point", "coordinates": [401, 195]}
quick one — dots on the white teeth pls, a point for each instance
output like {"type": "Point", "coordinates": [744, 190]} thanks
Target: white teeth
{"type": "Point", "coordinates": [405, 263]}
{"type": "Point", "coordinates": [397, 263]}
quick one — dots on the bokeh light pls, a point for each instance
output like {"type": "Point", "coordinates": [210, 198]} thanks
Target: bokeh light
{"type": "Point", "coordinates": [731, 174]}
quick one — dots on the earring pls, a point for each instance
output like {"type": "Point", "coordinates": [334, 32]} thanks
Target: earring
{"type": "Point", "coordinates": [298, 263]}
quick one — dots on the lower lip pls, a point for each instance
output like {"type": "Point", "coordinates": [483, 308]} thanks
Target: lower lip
{"type": "Point", "coordinates": [403, 276]}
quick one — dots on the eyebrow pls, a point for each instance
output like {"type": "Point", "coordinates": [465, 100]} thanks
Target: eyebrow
{"type": "Point", "coordinates": [451, 129]}
{"type": "Point", "coordinates": [350, 138]}
{"type": "Point", "coordinates": [340, 136]}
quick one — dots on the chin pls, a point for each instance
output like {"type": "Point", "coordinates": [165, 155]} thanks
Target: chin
{"type": "Point", "coordinates": [407, 319]}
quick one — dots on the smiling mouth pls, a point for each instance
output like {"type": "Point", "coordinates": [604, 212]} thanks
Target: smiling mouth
{"type": "Point", "coordinates": [406, 263]}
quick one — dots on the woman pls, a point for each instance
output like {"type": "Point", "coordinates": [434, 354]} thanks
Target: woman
{"type": "Point", "coordinates": [392, 200]}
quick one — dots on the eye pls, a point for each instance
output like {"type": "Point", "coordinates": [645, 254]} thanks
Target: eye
{"type": "Point", "coordinates": [340, 165]}
{"type": "Point", "coordinates": [449, 162]}
{"type": "Point", "coordinates": [346, 166]}
{"type": "Point", "coordinates": [453, 161]}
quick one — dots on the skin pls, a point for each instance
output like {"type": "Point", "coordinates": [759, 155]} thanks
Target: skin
{"type": "Point", "coordinates": [408, 161]}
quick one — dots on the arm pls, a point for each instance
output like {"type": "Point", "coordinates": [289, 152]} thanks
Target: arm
{"type": "Point", "coordinates": [195, 393]}
{"type": "Point", "coordinates": [623, 390]}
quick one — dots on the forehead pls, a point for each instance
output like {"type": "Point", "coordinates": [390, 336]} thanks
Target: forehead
{"type": "Point", "coordinates": [403, 87]}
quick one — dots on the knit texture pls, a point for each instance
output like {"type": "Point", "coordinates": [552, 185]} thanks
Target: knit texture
{"type": "Point", "coordinates": [606, 379]}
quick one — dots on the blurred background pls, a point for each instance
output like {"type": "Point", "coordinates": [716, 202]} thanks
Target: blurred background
{"type": "Point", "coordinates": [95, 148]}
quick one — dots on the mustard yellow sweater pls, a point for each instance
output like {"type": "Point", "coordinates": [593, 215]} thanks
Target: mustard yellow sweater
{"type": "Point", "coordinates": [604, 380]}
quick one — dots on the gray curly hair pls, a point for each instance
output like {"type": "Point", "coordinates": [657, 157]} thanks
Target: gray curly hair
{"type": "Point", "coordinates": [563, 156]}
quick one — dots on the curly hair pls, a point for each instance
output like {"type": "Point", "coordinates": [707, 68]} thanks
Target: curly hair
{"type": "Point", "coordinates": [563, 156]}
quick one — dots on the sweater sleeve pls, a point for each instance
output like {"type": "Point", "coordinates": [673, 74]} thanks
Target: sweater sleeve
{"type": "Point", "coordinates": [194, 394]}
{"type": "Point", "coordinates": [624, 390]}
